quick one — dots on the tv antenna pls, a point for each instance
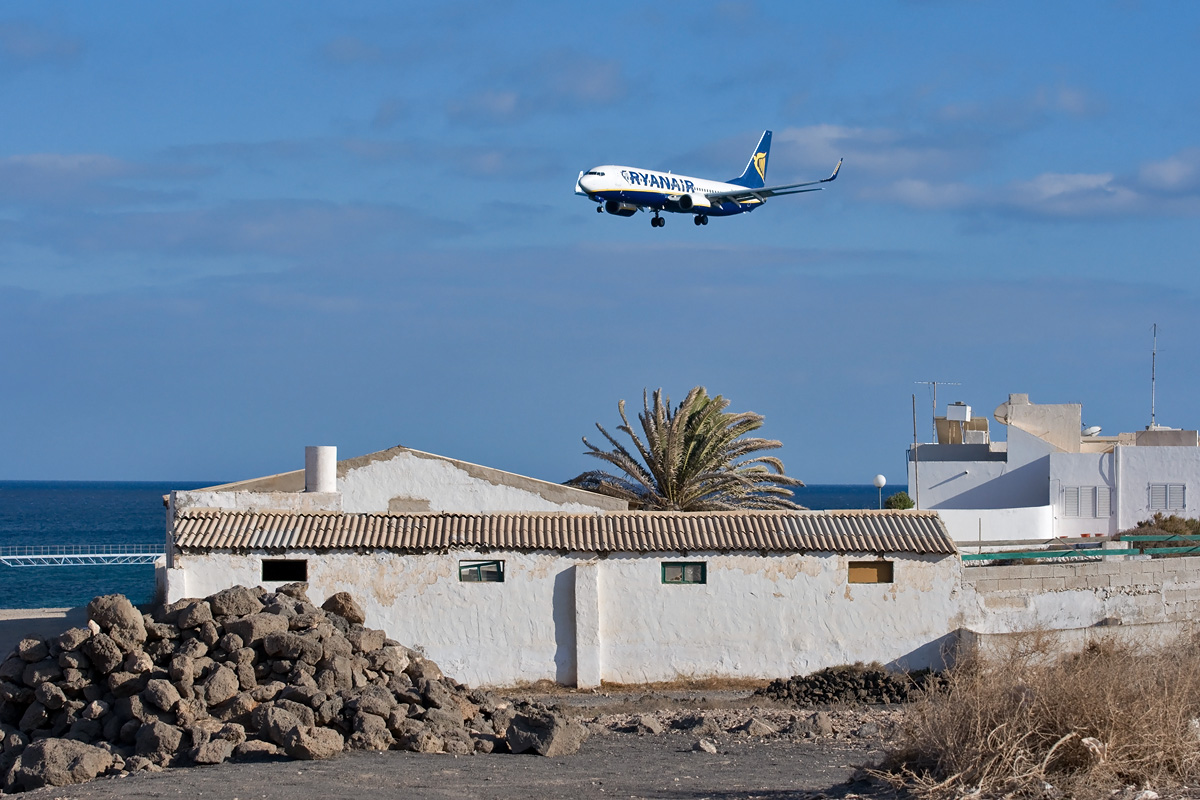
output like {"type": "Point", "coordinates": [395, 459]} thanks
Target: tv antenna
{"type": "Point", "coordinates": [1153, 360]}
{"type": "Point", "coordinates": [933, 417]}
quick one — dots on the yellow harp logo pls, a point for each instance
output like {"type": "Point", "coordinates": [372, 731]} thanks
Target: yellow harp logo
{"type": "Point", "coordinates": [760, 165]}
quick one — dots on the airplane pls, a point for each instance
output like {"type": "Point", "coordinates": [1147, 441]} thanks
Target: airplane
{"type": "Point", "coordinates": [624, 191]}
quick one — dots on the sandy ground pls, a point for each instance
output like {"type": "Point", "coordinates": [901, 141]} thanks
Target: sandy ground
{"type": "Point", "coordinates": [17, 623]}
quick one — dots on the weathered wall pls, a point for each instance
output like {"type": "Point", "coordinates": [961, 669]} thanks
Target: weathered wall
{"type": "Point", "coordinates": [408, 481]}
{"type": "Point", "coordinates": [1137, 591]}
{"type": "Point", "coordinates": [577, 617]}
{"type": "Point", "coordinates": [771, 616]}
{"type": "Point", "coordinates": [399, 480]}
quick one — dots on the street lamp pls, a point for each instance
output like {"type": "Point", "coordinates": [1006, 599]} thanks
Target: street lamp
{"type": "Point", "coordinates": [880, 482]}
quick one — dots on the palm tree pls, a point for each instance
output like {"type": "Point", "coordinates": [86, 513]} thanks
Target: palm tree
{"type": "Point", "coordinates": [693, 458]}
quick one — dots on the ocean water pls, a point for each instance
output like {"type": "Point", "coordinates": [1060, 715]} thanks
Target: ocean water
{"type": "Point", "coordinates": [75, 513]}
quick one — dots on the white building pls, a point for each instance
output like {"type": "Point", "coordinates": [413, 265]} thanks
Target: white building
{"type": "Point", "coordinates": [502, 579]}
{"type": "Point", "coordinates": [1052, 477]}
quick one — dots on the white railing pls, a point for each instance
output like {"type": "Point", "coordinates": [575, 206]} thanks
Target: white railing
{"type": "Point", "coordinates": [60, 555]}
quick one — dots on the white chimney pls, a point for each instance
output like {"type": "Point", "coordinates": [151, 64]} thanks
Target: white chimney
{"type": "Point", "coordinates": [320, 468]}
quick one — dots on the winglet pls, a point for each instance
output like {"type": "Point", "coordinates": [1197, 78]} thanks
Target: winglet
{"type": "Point", "coordinates": [835, 171]}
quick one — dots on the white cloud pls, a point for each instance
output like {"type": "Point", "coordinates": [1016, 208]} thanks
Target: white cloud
{"type": "Point", "coordinates": [1179, 173]}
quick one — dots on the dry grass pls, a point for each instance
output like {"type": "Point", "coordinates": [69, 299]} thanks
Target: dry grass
{"type": "Point", "coordinates": [1085, 724]}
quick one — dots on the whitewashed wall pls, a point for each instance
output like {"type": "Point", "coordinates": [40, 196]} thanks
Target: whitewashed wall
{"type": "Point", "coordinates": [569, 618]}
{"type": "Point", "coordinates": [1137, 467]}
{"type": "Point", "coordinates": [975, 524]}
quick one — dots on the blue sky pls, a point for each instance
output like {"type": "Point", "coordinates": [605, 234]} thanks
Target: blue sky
{"type": "Point", "coordinates": [230, 230]}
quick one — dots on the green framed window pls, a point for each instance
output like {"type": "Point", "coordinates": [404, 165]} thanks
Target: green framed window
{"type": "Point", "coordinates": [481, 571]}
{"type": "Point", "coordinates": [684, 572]}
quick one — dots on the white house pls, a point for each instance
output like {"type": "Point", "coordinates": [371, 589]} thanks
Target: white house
{"type": "Point", "coordinates": [504, 579]}
{"type": "Point", "coordinates": [627, 597]}
{"type": "Point", "coordinates": [1052, 477]}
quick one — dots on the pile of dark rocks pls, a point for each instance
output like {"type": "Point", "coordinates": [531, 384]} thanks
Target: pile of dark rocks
{"type": "Point", "coordinates": [244, 674]}
{"type": "Point", "coordinates": [851, 684]}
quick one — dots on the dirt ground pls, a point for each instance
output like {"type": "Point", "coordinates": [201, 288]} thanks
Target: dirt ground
{"type": "Point", "coordinates": [615, 761]}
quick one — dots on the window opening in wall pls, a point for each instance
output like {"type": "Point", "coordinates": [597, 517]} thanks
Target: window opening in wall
{"type": "Point", "coordinates": [481, 571]}
{"type": "Point", "coordinates": [1167, 497]}
{"type": "Point", "coordinates": [870, 572]}
{"type": "Point", "coordinates": [684, 572]}
{"type": "Point", "coordinates": [285, 569]}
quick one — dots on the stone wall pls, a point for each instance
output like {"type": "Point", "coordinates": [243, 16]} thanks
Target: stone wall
{"type": "Point", "coordinates": [1127, 590]}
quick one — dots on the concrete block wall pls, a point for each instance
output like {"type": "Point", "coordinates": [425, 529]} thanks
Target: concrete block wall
{"type": "Point", "coordinates": [1065, 596]}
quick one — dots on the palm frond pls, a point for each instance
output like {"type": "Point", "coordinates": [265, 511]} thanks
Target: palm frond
{"type": "Point", "coordinates": [694, 457]}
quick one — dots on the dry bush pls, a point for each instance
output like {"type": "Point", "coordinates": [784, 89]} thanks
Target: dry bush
{"type": "Point", "coordinates": [1110, 716]}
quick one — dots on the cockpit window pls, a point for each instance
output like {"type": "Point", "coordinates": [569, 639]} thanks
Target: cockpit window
{"type": "Point", "coordinates": [594, 172]}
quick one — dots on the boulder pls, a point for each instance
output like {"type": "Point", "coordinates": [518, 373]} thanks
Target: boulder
{"type": "Point", "coordinates": [345, 607]}
{"type": "Point", "coordinates": [756, 727]}
{"type": "Point", "coordinates": [308, 744]}
{"type": "Point", "coordinates": [115, 612]}
{"type": "Point", "coordinates": [103, 653]}
{"type": "Point", "coordinates": [194, 614]}
{"type": "Point", "coordinates": [253, 628]}
{"type": "Point", "coordinates": [545, 733]}
{"type": "Point", "coordinates": [236, 601]}
{"type": "Point", "coordinates": [31, 650]}
{"type": "Point", "coordinates": [158, 742]}
{"type": "Point", "coordinates": [214, 751]}
{"type": "Point", "coordinates": [220, 686]}
{"type": "Point", "coordinates": [57, 762]}
{"type": "Point", "coordinates": [648, 723]}
{"type": "Point", "coordinates": [293, 646]}
{"type": "Point", "coordinates": [162, 693]}
{"type": "Point", "coordinates": [370, 733]}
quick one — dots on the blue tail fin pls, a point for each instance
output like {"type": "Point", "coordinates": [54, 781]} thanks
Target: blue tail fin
{"type": "Point", "coordinates": [755, 176]}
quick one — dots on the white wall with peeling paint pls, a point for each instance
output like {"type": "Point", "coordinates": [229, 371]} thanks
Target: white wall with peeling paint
{"type": "Point", "coordinates": [577, 617]}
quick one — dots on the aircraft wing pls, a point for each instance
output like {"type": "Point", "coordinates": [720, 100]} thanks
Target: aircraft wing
{"type": "Point", "coordinates": [745, 195]}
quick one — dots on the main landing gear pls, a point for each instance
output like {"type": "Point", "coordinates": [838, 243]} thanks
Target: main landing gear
{"type": "Point", "coordinates": [656, 221]}
{"type": "Point", "coordinates": [700, 219]}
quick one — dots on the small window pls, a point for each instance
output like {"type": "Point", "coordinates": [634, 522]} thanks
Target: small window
{"type": "Point", "coordinates": [1166, 497]}
{"type": "Point", "coordinates": [481, 571]}
{"type": "Point", "coordinates": [285, 569]}
{"type": "Point", "coordinates": [684, 572]}
{"type": "Point", "coordinates": [870, 572]}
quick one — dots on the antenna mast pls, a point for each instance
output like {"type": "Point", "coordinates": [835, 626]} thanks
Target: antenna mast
{"type": "Point", "coordinates": [1153, 364]}
{"type": "Point", "coordinates": [933, 417]}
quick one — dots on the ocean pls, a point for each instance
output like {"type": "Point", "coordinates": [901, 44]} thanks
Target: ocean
{"type": "Point", "coordinates": [105, 513]}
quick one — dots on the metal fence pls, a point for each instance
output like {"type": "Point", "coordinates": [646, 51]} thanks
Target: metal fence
{"type": "Point", "coordinates": [80, 555]}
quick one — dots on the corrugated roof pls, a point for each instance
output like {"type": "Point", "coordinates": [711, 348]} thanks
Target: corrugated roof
{"type": "Point", "coordinates": [620, 532]}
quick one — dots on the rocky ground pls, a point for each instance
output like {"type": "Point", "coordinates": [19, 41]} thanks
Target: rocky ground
{"type": "Point", "coordinates": [642, 743]}
{"type": "Point", "coordinates": [251, 694]}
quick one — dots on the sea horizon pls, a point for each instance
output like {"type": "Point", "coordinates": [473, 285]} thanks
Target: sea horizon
{"type": "Point", "coordinates": [41, 512]}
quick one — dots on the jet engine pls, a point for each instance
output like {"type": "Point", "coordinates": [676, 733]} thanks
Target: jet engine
{"type": "Point", "coordinates": [681, 202]}
{"type": "Point", "coordinates": [620, 209]}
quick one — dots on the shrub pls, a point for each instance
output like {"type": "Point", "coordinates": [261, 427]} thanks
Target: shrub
{"type": "Point", "coordinates": [1085, 724]}
{"type": "Point", "coordinates": [900, 500]}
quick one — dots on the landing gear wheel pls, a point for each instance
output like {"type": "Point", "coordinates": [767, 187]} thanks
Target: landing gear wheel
{"type": "Point", "coordinates": [697, 220]}
{"type": "Point", "coordinates": [599, 209]}
{"type": "Point", "coordinates": [704, 219]}
{"type": "Point", "coordinates": [657, 222]}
